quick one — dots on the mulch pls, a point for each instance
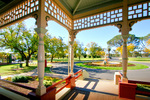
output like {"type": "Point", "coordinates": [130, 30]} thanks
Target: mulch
{"type": "Point", "coordinates": [109, 65]}
{"type": "Point", "coordinates": [33, 83]}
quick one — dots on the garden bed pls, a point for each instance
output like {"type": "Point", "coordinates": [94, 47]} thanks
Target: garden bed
{"type": "Point", "coordinates": [107, 65]}
{"type": "Point", "coordinates": [143, 87]}
{"type": "Point", "coordinates": [31, 81]}
{"type": "Point", "coordinates": [135, 67]}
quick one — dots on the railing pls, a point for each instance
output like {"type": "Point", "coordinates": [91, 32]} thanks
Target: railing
{"type": "Point", "coordinates": [140, 82]}
{"type": "Point", "coordinates": [67, 82]}
{"type": "Point", "coordinates": [15, 84]}
{"type": "Point", "coordinates": [54, 85]}
{"type": "Point", "coordinates": [78, 73]}
{"type": "Point", "coordinates": [50, 91]}
{"type": "Point", "coordinates": [70, 83]}
{"type": "Point", "coordinates": [120, 76]}
{"type": "Point", "coordinates": [129, 90]}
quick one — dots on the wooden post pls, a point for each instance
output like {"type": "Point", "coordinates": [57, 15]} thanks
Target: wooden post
{"type": "Point", "coordinates": [41, 24]}
{"type": "Point", "coordinates": [72, 36]}
{"type": "Point", "coordinates": [125, 32]}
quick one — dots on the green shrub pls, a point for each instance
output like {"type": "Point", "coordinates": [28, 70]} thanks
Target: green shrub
{"type": "Point", "coordinates": [143, 87]}
{"type": "Point", "coordinates": [21, 79]}
{"type": "Point", "coordinates": [47, 83]}
{"type": "Point", "coordinates": [8, 78]}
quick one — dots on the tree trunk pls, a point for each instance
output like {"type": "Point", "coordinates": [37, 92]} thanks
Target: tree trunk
{"type": "Point", "coordinates": [79, 57]}
{"type": "Point", "coordinates": [27, 62]}
{"type": "Point", "coordinates": [52, 59]}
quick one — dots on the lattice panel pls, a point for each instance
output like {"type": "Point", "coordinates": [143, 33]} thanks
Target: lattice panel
{"type": "Point", "coordinates": [139, 10]}
{"type": "Point", "coordinates": [25, 8]}
{"type": "Point", "coordinates": [99, 19]}
{"type": "Point", "coordinates": [55, 11]}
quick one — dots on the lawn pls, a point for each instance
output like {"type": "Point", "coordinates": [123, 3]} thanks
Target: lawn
{"type": "Point", "coordinates": [139, 59]}
{"type": "Point", "coordinates": [138, 66]}
{"type": "Point", "coordinates": [75, 59]}
{"type": "Point", "coordinates": [15, 69]}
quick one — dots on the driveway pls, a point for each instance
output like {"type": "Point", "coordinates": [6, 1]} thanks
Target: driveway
{"type": "Point", "coordinates": [141, 75]}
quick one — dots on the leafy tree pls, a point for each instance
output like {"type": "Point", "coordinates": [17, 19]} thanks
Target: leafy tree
{"type": "Point", "coordinates": [92, 48]}
{"type": "Point", "coordinates": [144, 39]}
{"type": "Point", "coordinates": [148, 42]}
{"type": "Point", "coordinates": [19, 39]}
{"type": "Point", "coordinates": [75, 47]}
{"type": "Point", "coordinates": [130, 49]}
{"type": "Point", "coordinates": [147, 51]}
{"type": "Point", "coordinates": [117, 41]}
{"type": "Point", "coordinates": [109, 49]}
{"type": "Point", "coordinates": [61, 48]}
{"type": "Point", "coordinates": [98, 51]}
{"type": "Point", "coordinates": [102, 53]}
{"type": "Point", "coordinates": [84, 53]}
{"type": "Point", "coordinates": [79, 50]}
{"type": "Point", "coordinates": [51, 45]}
{"type": "Point", "coordinates": [54, 46]}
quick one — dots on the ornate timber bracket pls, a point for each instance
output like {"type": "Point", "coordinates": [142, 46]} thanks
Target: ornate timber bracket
{"type": "Point", "coordinates": [72, 35]}
{"type": "Point", "coordinates": [36, 17]}
{"type": "Point", "coordinates": [120, 25]}
{"type": "Point", "coordinates": [131, 23]}
{"type": "Point", "coordinates": [47, 18]}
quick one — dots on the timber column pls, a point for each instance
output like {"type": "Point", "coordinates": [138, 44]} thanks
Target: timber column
{"type": "Point", "coordinates": [124, 58]}
{"type": "Point", "coordinates": [41, 24]}
{"type": "Point", "coordinates": [125, 33]}
{"type": "Point", "coordinates": [72, 36]}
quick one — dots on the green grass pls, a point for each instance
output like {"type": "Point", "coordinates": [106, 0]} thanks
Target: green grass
{"type": "Point", "coordinates": [138, 66]}
{"type": "Point", "coordinates": [75, 59]}
{"type": "Point", "coordinates": [7, 69]}
{"type": "Point", "coordinates": [140, 59]}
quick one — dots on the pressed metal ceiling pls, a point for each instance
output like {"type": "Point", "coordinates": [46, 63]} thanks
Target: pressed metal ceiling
{"type": "Point", "coordinates": [4, 3]}
{"type": "Point", "coordinates": [76, 7]}
{"type": "Point", "coordinates": [81, 6]}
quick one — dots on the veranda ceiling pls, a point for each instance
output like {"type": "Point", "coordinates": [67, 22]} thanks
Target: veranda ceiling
{"type": "Point", "coordinates": [74, 10]}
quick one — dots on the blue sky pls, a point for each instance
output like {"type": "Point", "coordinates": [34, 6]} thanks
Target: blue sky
{"type": "Point", "coordinates": [99, 35]}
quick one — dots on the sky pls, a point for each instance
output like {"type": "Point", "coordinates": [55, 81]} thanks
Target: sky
{"type": "Point", "coordinates": [98, 35]}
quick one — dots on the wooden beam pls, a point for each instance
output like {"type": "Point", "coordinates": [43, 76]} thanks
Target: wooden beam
{"type": "Point", "coordinates": [78, 3]}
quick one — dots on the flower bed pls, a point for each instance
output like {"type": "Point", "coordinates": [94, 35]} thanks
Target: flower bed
{"type": "Point", "coordinates": [107, 65]}
{"type": "Point", "coordinates": [31, 81]}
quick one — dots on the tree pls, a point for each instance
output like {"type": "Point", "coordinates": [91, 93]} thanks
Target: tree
{"type": "Point", "coordinates": [61, 48]}
{"type": "Point", "coordinates": [147, 51]}
{"type": "Point", "coordinates": [75, 47]}
{"type": "Point", "coordinates": [19, 39]}
{"type": "Point", "coordinates": [117, 41]}
{"type": "Point", "coordinates": [109, 49]}
{"type": "Point", "coordinates": [51, 45]}
{"type": "Point", "coordinates": [144, 39]}
{"type": "Point", "coordinates": [130, 49]}
{"type": "Point", "coordinates": [92, 47]}
{"type": "Point", "coordinates": [84, 53]}
{"type": "Point", "coordinates": [79, 50]}
{"type": "Point", "coordinates": [148, 42]}
{"type": "Point", "coordinates": [54, 46]}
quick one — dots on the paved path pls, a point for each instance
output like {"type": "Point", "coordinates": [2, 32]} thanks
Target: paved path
{"type": "Point", "coordinates": [141, 75]}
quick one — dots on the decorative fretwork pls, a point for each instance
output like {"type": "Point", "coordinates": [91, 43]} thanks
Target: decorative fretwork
{"type": "Point", "coordinates": [139, 10]}
{"type": "Point", "coordinates": [25, 8]}
{"type": "Point", "coordinates": [54, 10]}
{"type": "Point", "coordinates": [99, 19]}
